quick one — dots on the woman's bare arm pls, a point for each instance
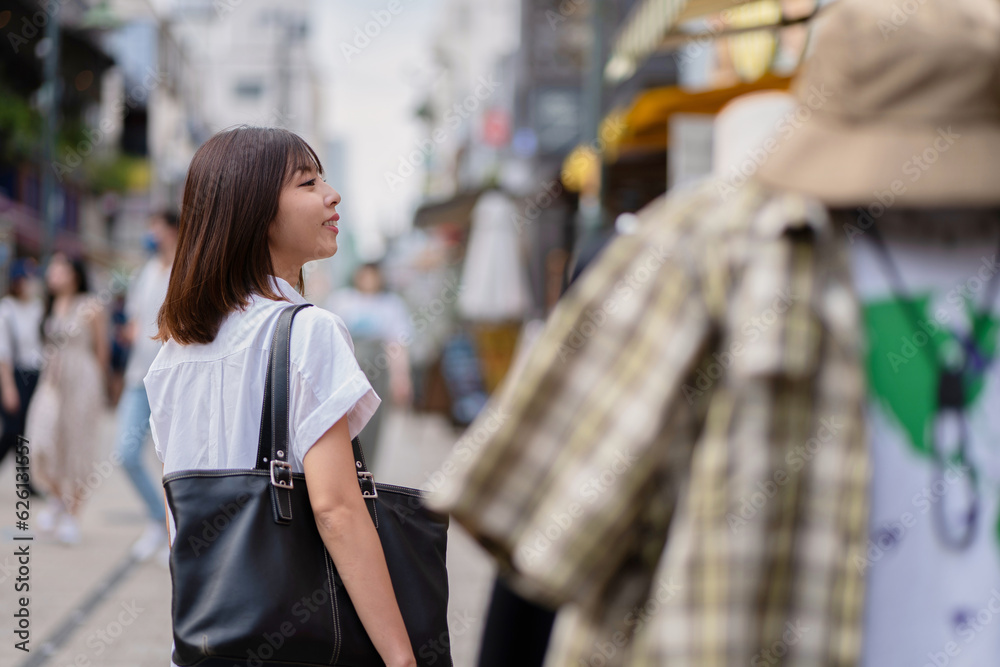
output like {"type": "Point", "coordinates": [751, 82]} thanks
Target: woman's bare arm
{"type": "Point", "coordinates": [9, 397]}
{"type": "Point", "coordinates": [399, 377]}
{"type": "Point", "coordinates": [350, 537]}
{"type": "Point", "coordinates": [99, 324]}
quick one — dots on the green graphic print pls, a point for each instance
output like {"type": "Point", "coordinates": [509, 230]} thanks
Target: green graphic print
{"type": "Point", "coordinates": [902, 374]}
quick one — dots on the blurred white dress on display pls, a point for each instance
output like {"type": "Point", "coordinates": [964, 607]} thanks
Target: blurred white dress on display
{"type": "Point", "coordinates": [494, 280]}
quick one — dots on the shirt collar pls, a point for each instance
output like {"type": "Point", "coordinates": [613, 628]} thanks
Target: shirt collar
{"type": "Point", "coordinates": [785, 211]}
{"type": "Point", "coordinates": [283, 287]}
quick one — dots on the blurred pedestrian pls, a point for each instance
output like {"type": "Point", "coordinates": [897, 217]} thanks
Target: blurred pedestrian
{"type": "Point", "coordinates": [120, 349]}
{"type": "Point", "coordinates": [70, 397]}
{"type": "Point", "coordinates": [379, 323]}
{"type": "Point", "coordinates": [256, 208]}
{"type": "Point", "coordinates": [683, 465]}
{"type": "Point", "coordinates": [146, 293]}
{"type": "Point", "coordinates": [20, 352]}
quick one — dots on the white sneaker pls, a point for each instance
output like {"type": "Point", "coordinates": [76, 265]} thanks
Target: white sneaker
{"type": "Point", "coordinates": [49, 516]}
{"type": "Point", "coordinates": [68, 530]}
{"type": "Point", "coordinates": [47, 519]}
{"type": "Point", "coordinates": [152, 538]}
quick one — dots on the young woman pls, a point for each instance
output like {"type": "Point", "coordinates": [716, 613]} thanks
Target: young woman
{"type": "Point", "coordinates": [70, 394]}
{"type": "Point", "coordinates": [255, 209]}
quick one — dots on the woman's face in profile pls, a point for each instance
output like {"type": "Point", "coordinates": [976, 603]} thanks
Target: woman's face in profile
{"type": "Point", "coordinates": [305, 228]}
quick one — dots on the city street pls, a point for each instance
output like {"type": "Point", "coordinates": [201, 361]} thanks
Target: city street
{"type": "Point", "coordinates": [92, 604]}
{"type": "Point", "coordinates": [722, 275]}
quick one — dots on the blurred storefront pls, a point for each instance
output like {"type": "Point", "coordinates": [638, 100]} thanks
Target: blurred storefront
{"type": "Point", "coordinates": [507, 255]}
{"type": "Point", "coordinates": [55, 53]}
{"type": "Point", "coordinates": [139, 85]}
{"type": "Point", "coordinates": [613, 103]}
{"type": "Point", "coordinates": [660, 136]}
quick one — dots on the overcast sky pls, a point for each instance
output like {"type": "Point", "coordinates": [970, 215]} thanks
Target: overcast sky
{"type": "Point", "coordinates": [370, 96]}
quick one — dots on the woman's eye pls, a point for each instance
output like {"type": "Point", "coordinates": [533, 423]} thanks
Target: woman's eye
{"type": "Point", "coordinates": [311, 181]}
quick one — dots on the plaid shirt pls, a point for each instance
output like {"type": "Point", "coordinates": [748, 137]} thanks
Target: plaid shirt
{"type": "Point", "coordinates": [681, 465]}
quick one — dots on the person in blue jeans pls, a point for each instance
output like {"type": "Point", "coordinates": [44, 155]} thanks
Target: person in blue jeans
{"type": "Point", "coordinates": [146, 293]}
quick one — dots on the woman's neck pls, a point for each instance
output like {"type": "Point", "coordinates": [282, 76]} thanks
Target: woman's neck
{"type": "Point", "coordinates": [290, 278]}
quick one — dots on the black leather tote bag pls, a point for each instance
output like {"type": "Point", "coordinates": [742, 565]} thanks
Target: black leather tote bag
{"type": "Point", "coordinates": [253, 584]}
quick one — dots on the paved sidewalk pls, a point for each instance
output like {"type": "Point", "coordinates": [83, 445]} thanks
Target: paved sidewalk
{"type": "Point", "coordinates": [414, 447]}
{"type": "Point", "coordinates": [92, 605]}
{"type": "Point", "coordinates": [130, 625]}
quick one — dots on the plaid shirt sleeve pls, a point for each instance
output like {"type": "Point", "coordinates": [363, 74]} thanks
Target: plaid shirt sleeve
{"type": "Point", "coordinates": [576, 423]}
{"type": "Point", "coordinates": [682, 374]}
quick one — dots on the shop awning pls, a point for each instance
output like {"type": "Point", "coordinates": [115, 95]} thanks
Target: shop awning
{"type": "Point", "coordinates": [455, 211]}
{"type": "Point", "coordinates": [646, 121]}
{"type": "Point", "coordinates": [648, 24]}
{"type": "Point", "coordinates": [645, 124]}
{"type": "Point", "coordinates": [28, 230]}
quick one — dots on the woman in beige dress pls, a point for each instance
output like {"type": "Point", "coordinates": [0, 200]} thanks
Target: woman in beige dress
{"type": "Point", "coordinates": [62, 421]}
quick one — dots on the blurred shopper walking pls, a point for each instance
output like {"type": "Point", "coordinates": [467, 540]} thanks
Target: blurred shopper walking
{"type": "Point", "coordinates": [120, 348]}
{"type": "Point", "coordinates": [379, 324]}
{"type": "Point", "coordinates": [20, 352]}
{"type": "Point", "coordinates": [683, 464]}
{"type": "Point", "coordinates": [145, 296]}
{"type": "Point", "coordinates": [70, 395]}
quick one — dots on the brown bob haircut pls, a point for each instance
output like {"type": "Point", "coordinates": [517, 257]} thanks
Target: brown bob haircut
{"type": "Point", "coordinates": [230, 200]}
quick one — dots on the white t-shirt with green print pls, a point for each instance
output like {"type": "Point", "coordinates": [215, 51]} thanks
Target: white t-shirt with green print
{"type": "Point", "coordinates": [929, 603]}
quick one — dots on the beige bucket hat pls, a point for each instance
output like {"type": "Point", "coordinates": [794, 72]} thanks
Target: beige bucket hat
{"type": "Point", "coordinates": [898, 102]}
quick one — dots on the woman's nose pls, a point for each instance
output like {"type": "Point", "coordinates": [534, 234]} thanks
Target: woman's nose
{"type": "Point", "coordinates": [332, 197]}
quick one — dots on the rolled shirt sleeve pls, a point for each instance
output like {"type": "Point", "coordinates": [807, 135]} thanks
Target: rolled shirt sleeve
{"type": "Point", "coordinates": [326, 381]}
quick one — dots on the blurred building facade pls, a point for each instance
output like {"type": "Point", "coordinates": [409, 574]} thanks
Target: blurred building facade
{"type": "Point", "coordinates": [228, 62]}
{"type": "Point", "coordinates": [140, 85]}
{"type": "Point", "coordinates": [60, 126]}
{"type": "Point", "coordinates": [470, 100]}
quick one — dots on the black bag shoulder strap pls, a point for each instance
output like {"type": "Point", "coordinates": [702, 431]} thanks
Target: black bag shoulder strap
{"type": "Point", "coordinates": [272, 440]}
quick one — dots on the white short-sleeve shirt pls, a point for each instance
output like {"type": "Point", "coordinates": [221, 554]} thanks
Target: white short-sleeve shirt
{"type": "Point", "coordinates": [205, 400]}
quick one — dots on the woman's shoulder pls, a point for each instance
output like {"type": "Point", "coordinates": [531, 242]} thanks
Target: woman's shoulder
{"type": "Point", "coordinates": [318, 325]}
{"type": "Point", "coordinates": [319, 338]}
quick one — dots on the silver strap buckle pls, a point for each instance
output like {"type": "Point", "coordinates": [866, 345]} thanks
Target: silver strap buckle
{"type": "Point", "coordinates": [371, 478]}
{"type": "Point", "coordinates": [281, 483]}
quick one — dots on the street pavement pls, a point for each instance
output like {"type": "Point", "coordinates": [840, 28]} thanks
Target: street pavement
{"type": "Point", "coordinates": [93, 605]}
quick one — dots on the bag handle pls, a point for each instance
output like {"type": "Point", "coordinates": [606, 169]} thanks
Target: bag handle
{"type": "Point", "coordinates": [272, 441]}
